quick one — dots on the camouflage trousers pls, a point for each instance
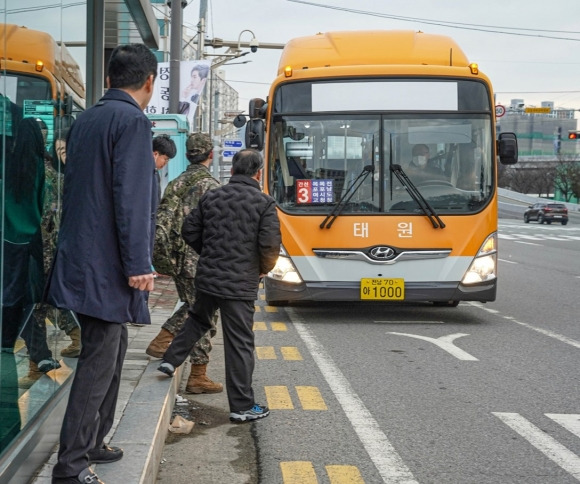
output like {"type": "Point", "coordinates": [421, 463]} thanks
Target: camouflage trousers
{"type": "Point", "coordinates": [199, 355]}
{"type": "Point", "coordinates": [64, 319]}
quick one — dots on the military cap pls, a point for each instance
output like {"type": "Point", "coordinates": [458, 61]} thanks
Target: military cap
{"type": "Point", "coordinates": [198, 143]}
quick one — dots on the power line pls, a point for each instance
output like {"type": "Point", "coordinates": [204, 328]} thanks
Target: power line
{"type": "Point", "coordinates": [454, 25]}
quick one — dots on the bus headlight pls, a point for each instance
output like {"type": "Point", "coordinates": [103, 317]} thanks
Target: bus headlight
{"type": "Point", "coordinates": [484, 266]}
{"type": "Point", "coordinates": [284, 270]}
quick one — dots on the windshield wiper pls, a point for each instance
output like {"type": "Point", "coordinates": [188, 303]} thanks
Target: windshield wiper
{"type": "Point", "coordinates": [416, 195]}
{"type": "Point", "coordinates": [350, 191]}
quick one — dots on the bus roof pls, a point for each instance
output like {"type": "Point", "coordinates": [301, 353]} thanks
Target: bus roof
{"type": "Point", "coordinates": [24, 45]}
{"type": "Point", "coordinates": [371, 47]}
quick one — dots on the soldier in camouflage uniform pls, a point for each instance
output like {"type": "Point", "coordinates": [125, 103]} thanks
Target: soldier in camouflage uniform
{"type": "Point", "coordinates": [49, 227]}
{"type": "Point", "coordinates": [171, 256]}
{"type": "Point", "coordinates": [36, 334]}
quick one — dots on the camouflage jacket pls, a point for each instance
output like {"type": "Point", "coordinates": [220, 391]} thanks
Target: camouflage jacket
{"type": "Point", "coordinates": [50, 221]}
{"type": "Point", "coordinates": [171, 255]}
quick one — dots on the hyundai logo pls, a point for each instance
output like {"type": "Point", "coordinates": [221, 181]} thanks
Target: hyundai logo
{"type": "Point", "coordinates": [382, 253]}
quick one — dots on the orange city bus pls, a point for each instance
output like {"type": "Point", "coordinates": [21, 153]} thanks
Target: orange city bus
{"type": "Point", "coordinates": [380, 151]}
{"type": "Point", "coordinates": [38, 78]}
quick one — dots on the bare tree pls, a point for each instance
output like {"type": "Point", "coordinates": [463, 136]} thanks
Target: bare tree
{"type": "Point", "coordinates": [567, 176]}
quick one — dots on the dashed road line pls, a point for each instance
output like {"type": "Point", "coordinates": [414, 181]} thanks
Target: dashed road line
{"type": "Point", "coordinates": [303, 472]}
{"type": "Point", "coordinates": [571, 422]}
{"type": "Point", "coordinates": [289, 353]}
{"type": "Point", "coordinates": [551, 334]}
{"type": "Point", "coordinates": [546, 444]}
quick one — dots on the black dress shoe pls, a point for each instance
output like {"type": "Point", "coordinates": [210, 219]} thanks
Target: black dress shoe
{"type": "Point", "coordinates": [86, 477]}
{"type": "Point", "coordinates": [105, 454]}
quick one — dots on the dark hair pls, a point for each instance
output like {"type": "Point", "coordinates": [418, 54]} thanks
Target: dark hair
{"type": "Point", "coordinates": [203, 70]}
{"type": "Point", "coordinates": [164, 145]}
{"type": "Point", "coordinates": [130, 65]}
{"type": "Point", "coordinates": [59, 135]}
{"type": "Point", "coordinates": [27, 153]}
{"type": "Point", "coordinates": [247, 162]}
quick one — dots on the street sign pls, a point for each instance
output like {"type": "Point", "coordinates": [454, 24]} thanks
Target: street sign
{"type": "Point", "coordinates": [499, 111]}
{"type": "Point", "coordinates": [228, 155]}
{"type": "Point", "coordinates": [543, 110]}
{"type": "Point", "coordinates": [232, 143]}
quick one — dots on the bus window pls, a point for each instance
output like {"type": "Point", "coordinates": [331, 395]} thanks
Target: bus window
{"type": "Point", "coordinates": [457, 169]}
{"type": "Point", "coordinates": [313, 173]}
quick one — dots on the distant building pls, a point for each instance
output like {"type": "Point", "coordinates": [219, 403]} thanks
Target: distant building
{"type": "Point", "coordinates": [541, 136]}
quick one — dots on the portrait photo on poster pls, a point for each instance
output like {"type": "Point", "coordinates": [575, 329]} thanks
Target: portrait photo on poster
{"type": "Point", "coordinates": [193, 78]}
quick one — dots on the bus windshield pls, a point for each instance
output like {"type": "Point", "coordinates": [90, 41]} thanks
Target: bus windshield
{"type": "Point", "coordinates": [24, 96]}
{"type": "Point", "coordinates": [321, 158]}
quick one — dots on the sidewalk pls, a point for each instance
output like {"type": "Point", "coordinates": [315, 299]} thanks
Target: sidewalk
{"type": "Point", "coordinates": [146, 400]}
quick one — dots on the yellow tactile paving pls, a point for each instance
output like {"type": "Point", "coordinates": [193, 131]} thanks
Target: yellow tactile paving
{"type": "Point", "coordinates": [310, 398]}
{"type": "Point", "coordinates": [290, 353]}
{"type": "Point", "coordinates": [271, 309]}
{"type": "Point", "coordinates": [265, 353]}
{"type": "Point", "coordinates": [279, 326]}
{"type": "Point", "coordinates": [298, 472]}
{"type": "Point", "coordinates": [278, 398]}
{"type": "Point", "coordinates": [344, 475]}
{"type": "Point", "coordinates": [260, 326]}
{"type": "Point", "coordinates": [257, 309]}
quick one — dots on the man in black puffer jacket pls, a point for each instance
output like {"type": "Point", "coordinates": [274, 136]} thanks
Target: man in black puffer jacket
{"type": "Point", "coordinates": [236, 232]}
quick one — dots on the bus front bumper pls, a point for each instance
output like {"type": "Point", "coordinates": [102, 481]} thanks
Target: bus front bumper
{"type": "Point", "coordinates": [280, 293]}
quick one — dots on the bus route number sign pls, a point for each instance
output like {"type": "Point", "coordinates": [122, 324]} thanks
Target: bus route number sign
{"type": "Point", "coordinates": [382, 289]}
{"type": "Point", "coordinates": [314, 191]}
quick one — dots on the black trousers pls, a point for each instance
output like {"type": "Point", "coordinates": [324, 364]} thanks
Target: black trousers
{"type": "Point", "coordinates": [93, 396]}
{"type": "Point", "coordinates": [237, 325]}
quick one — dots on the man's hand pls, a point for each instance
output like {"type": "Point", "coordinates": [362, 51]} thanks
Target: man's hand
{"type": "Point", "coordinates": [144, 282]}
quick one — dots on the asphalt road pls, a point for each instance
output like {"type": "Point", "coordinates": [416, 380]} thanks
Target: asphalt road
{"type": "Point", "coordinates": [478, 394]}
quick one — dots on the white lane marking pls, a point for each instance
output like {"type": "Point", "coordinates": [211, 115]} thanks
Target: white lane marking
{"type": "Point", "coordinates": [445, 343]}
{"type": "Point", "coordinates": [409, 322]}
{"type": "Point", "coordinates": [508, 261]}
{"type": "Point", "coordinates": [550, 447]}
{"type": "Point", "coordinates": [384, 456]}
{"type": "Point", "coordinates": [529, 237]}
{"type": "Point", "coordinates": [526, 243]}
{"type": "Point", "coordinates": [570, 422]}
{"type": "Point", "coordinates": [551, 334]}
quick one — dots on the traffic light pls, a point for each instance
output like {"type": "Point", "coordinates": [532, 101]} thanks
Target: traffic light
{"type": "Point", "coordinates": [573, 134]}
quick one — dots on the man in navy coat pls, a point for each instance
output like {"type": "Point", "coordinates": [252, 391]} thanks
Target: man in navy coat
{"type": "Point", "coordinates": [102, 265]}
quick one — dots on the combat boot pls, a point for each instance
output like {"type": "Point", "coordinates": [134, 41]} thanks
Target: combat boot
{"type": "Point", "coordinates": [74, 349]}
{"type": "Point", "coordinates": [160, 343]}
{"type": "Point", "coordinates": [35, 371]}
{"type": "Point", "coordinates": [199, 382]}
{"type": "Point", "coordinates": [33, 374]}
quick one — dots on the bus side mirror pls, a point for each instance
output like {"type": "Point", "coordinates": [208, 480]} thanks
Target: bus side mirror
{"type": "Point", "coordinates": [255, 134]}
{"type": "Point", "coordinates": [507, 148]}
{"type": "Point", "coordinates": [257, 108]}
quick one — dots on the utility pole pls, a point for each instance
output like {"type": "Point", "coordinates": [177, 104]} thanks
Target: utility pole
{"type": "Point", "coordinates": [201, 29]}
{"type": "Point", "coordinates": [175, 52]}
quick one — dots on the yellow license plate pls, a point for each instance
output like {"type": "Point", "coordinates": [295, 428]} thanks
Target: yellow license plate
{"type": "Point", "coordinates": [382, 289]}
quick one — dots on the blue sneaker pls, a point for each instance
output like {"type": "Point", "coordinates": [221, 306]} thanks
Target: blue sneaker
{"type": "Point", "coordinates": [256, 412]}
{"type": "Point", "coordinates": [166, 368]}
